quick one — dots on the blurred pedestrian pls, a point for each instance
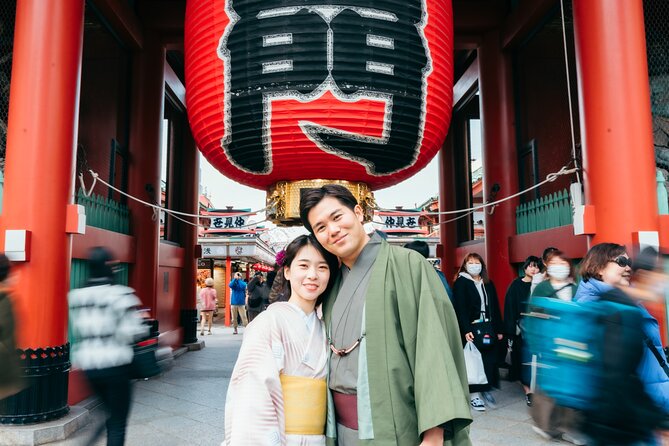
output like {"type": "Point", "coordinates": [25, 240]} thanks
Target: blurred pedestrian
{"type": "Point", "coordinates": [551, 420]}
{"type": "Point", "coordinates": [238, 300]}
{"type": "Point", "coordinates": [257, 295]}
{"type": "Point", "coordinates": [634, 395]}
{"type": "Point", "coordinates": [278, 292]}
{"type": "Point", "coordinates": [541, 275]}
{"type": "Point", "coordinates": [104, 326]}
{"type": "Point", "coordinates": [209, 302]}
{"type": "Point", "coordinates": [278, 389]}
{"type": "Point", "coordinates": [515, 303]}
{"type": "Point", "coordinates": [477, 308]}
{"type": "Point", "coordinates": [424, 250]}
{"type": "Point", "coordinates": [11, 380]}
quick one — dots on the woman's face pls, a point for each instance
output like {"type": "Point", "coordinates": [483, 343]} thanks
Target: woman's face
{"type": "Point", "coordinates": [308, 274]}
{"type": "Point", "coordinates": [617, 271]}
{"type": "Point", "coordinates": [531, 270]}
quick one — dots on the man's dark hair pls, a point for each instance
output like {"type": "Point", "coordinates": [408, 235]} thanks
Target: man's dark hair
{"type": "Point", "coordinates": [310, 197]}
{"type": "Point", "coordinates": [99, 267]}
{"type": "Point", "coordinates": [5, 267]}
{"type": "Point", "coordinates": [420, 247]}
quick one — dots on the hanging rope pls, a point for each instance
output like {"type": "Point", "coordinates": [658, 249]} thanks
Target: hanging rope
{"type": "Point", "coordinates": [571, 106]}
{"type": "Point", "coordinates": [96, 178]}
{"type": "Point", "coordinates": [549, 179]}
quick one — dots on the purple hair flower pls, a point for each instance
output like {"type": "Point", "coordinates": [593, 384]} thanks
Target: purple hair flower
{"type": "Point", "coordinates": [280, 257]}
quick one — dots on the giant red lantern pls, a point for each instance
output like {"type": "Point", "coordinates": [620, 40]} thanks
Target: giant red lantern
{"type": "Point", "coordinates": [293, 90]}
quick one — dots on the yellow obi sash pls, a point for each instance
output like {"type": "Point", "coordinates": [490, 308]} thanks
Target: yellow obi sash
{"type": "Point", "coordinates": [304, 404]}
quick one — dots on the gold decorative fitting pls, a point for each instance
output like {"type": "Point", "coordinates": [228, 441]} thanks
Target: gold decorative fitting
{"type": "Point", "coordinates": [283, 199]}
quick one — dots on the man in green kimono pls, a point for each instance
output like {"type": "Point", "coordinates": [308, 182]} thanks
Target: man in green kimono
{"type": "Point", "coordinates": [397, 372]}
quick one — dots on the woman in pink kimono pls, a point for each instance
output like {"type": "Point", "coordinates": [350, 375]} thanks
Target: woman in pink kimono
{"type": "Point", "coordinates": [278, 392]}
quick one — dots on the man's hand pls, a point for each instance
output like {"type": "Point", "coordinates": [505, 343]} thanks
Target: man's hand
{"type": "Point", "coordinates": [469, 336]}
{"type": "Point", "coordinates": [433, 437]}
{"type": "Point", "coordinates": [500, 336]}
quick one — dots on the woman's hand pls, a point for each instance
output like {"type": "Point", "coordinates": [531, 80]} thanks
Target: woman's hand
{"type": "Point", "coordinates": [500, 337]}
{"type": "Point", "coordinates": [469, 336]}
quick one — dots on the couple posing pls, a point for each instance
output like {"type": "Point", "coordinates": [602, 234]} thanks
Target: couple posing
{"type": "Point", "coordinates": [384, 367]}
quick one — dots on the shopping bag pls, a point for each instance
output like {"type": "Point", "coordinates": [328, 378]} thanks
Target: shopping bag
{"type": "Point", "coordinates": [474, 364]}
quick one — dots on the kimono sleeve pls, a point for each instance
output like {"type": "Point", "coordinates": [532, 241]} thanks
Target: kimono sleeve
{"type": "Point", "coordinates": [254, 402]}
{"type": "Point", "coordinates": [432, 342]}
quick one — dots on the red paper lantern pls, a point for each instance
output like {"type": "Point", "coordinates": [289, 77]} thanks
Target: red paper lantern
{"type": "Point", "coordinates": [292, 90]}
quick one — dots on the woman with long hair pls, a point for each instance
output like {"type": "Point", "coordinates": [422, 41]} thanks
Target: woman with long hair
{"type": "Point", "coordinates": [278, 390]}
{"type": "Point", "coordinates": [477, 308]}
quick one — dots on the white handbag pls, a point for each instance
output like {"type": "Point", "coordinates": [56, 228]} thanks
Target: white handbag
{"type": "Point", "coordinates": [474, 364]}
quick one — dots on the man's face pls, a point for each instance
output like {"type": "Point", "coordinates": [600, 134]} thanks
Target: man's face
{"type": "Point", "coordinates": [339, 229]}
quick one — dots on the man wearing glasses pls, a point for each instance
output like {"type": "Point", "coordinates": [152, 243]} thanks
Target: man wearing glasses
{"type": "Point", "coordinates": [397, 373]}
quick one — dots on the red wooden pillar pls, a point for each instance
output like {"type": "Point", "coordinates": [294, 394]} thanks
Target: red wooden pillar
{"type": "Point", "coordinates": [189, 189]}
{"type": "Point", "coordinates": [227, 294]}
{"type": "Point", "coordinates": [39, 172]}
{"type": "Point", "coordinates": [447, 231]}
{"type": "Point", "coordinates": [500, 162]}
{"type": "Point", "coordinates": [39, 168]}
{"type": "Point", "coordinates": [616, 123]}
{"type": "Point", "coordinates": [144, 171]}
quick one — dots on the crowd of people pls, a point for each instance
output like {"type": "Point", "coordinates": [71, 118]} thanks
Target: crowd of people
{"type": "Point", "coordinates": [383, 360]}
{"type": "Point", "coordinates": [391, 338]}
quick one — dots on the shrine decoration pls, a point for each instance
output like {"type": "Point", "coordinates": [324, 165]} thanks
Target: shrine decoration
{"type": "Point", "coordinates": [286, 94]}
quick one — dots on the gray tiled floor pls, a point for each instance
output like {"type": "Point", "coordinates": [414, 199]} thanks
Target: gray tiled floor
{"type": "Point", "coordinates": [185, 405]}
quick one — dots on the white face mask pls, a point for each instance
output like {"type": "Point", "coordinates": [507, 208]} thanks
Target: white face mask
{"type": "Point", "coordinates": [474, 269]}
{"type": "Point", "coordinates": [558, 272]}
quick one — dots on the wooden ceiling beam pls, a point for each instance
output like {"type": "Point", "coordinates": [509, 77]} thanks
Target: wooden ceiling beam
{"type": "Point", "coordinates": [524, 18]}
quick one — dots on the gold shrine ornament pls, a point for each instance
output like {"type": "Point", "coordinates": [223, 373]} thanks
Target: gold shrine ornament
{"type": "Point", "coordinates": [283, 199]}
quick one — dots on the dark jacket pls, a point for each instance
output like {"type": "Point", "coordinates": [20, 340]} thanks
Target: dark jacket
{"type": "Point", "coordinates": [467, 304]}
{"type": "Point", "coordinates": [257, 289]}
{"type": "Point", "coordinates": [515, 303]}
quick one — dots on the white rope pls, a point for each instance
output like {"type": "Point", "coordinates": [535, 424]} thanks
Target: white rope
{"type": "Point", "coordinates": [549, 179]}
{"type": "Point", "coordinates": [571, 106]}
{"type": "Point", "coordinates": [171, 212]}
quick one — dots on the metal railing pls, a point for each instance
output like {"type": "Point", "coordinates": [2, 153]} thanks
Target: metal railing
{"type": "Point", "coordinates": [105, 213]}
{"type": "Point", "coordinates": [543, 213]}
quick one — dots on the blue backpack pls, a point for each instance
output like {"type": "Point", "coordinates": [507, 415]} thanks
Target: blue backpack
{"type": "Point", "coordinates": [568, 342]}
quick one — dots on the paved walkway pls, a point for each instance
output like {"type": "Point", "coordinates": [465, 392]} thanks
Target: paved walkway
{"type": "Point", "coordinates": [185, 406]}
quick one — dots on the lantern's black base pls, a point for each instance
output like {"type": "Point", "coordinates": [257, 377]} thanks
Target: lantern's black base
{"type": "Point", "coordinates": [189, 324]}
{"type": "Point", "coordinates": [46, 372]}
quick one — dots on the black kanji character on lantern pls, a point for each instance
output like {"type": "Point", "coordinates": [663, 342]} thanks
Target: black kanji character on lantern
{"type": "Point", "coordinates": [400, 221]}
{"type": "Point", "coordinates": [228, 223]}
{"type": "Point", "coordinates": [239, 222]}
{"type": "Point", "coordinates": [217, 222]}
{"type": "Point", "coordinates": [207, 250]}
{"type": "Point", "coordinates": [390, 221]}
{"type": "Point", "coordinates": [277, 48]}
{"type": "Point", "coordinates": [411, 222]}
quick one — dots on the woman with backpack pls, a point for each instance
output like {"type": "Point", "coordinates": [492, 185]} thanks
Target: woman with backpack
{"type": "Point", "coordinates": [278, 390]}
{"type": "Point", "coordinates": [553, 421]}
{"type": "Point", "coordinates": [634, 398]}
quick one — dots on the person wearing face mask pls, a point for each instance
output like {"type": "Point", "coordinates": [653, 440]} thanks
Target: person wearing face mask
{"type": "Point", "coordinates": [477, 307]}
{"type": "Point", "coordinates": [553, 421]}
{"type": "Point", "coordinates": [515, 303]}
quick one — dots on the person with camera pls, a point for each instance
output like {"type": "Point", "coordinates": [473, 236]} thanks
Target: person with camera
{"type": "Point", "coordinates": [238, 300]}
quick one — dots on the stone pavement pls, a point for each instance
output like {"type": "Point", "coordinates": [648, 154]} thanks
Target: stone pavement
{"type": "Point", "coordinates": [185, 406]}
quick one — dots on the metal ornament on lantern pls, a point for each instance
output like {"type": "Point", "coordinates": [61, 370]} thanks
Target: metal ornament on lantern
{"type": "Point", "coordinates": [284, 95]}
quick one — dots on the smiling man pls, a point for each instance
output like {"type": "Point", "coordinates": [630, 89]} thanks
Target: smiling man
{"type": "Point", "coordinates": [397, 373]}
